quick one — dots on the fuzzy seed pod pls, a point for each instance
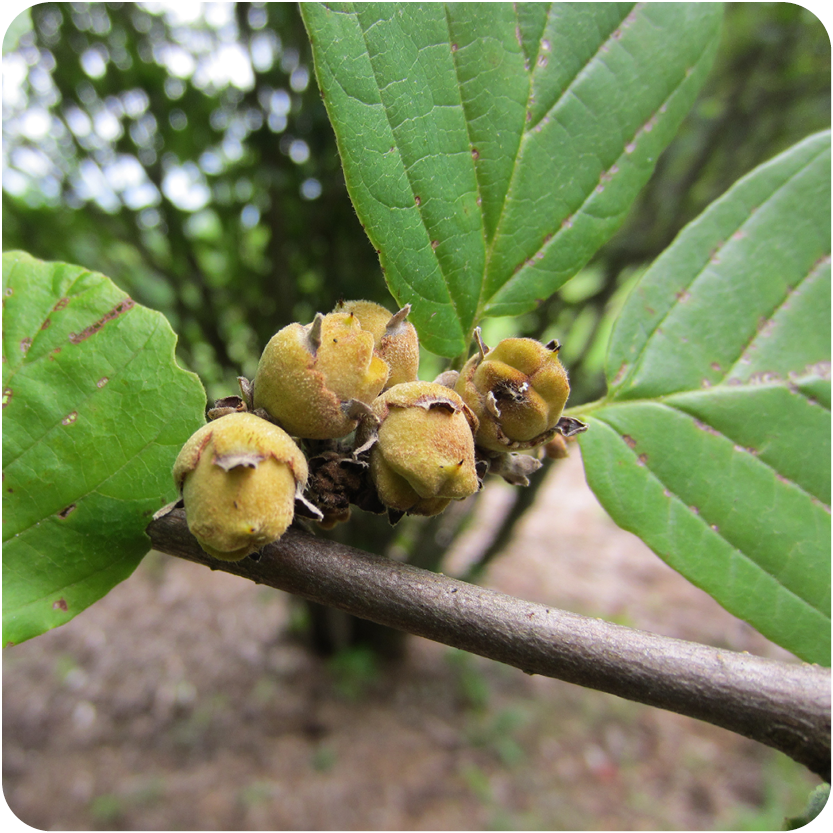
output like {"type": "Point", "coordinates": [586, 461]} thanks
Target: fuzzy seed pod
{"type": "Point", "coordinates": [238, 477]}
{"type": "Point", "coordinates": [424, 455]}
{"type": "Point", "coordinates": [517, 391]}
{"type": "Point", "coordinates": [308, 377]}
{"type": "Point", "coordinates": [395, 338]}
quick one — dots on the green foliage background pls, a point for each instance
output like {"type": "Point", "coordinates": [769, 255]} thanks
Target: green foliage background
{"type": "Point", "coordinates": [193, 162]}
{"type": "Point", "coordinates": [255, 254]}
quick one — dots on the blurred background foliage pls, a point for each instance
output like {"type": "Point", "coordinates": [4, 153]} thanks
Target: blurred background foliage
{"type": "Point", "coordinates": [183, 150]}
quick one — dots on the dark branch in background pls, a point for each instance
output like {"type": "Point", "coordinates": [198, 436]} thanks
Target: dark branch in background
{"type": "Point", "coordinates": [783, 705]}
{"type": "Point", "coordinates": [522, 500]}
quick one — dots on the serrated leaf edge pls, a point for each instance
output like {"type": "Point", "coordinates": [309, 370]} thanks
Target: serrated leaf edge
{"type": "Point", "coordinates": [711, 528]}
{"type": "Point", "coordinates": [606, 177]}
{"type": "Point", "coordinates": [710, 429]}
{"type": "Point", "coordinates": [402, 275]}
{"type": "Point", "coordinates": [615, 384]}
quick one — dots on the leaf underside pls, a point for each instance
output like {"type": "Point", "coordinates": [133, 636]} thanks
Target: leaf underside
{"type": "Point", "coordinates": [491, 148]}
{"type": "Point", "coordinates": [95, 410]}
{"type": "Point", "coordinates": [713, 444]}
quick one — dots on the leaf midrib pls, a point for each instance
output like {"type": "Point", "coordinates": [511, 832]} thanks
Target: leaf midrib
{"type": "Point", "coordinates": [662, 402]}
{"type": "Point", "coordinates": [728, 240]}
{"type": "Point", "coordinates": [716, 531]}
{"type": "Point", "coordinates": [405, 168]}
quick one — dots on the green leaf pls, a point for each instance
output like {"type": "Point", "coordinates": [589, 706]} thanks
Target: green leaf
{"type": "Point", "coordinates": [713, 443]}
{"type": "Point", "coordinates": [816, 802]}
{"type": "Point", "coordinates": [491, 148]}
{"type": "Point", "coordinates": [95, 410]}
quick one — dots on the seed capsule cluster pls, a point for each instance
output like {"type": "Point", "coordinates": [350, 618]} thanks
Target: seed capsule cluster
{"type": "Point", "coordinates": [336, 417]}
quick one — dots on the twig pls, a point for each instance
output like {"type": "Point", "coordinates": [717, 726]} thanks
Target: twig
{"type": "Point", "coordinates": [783, 705]}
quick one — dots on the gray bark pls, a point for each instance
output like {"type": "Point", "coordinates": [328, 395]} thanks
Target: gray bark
{"type": "Point", "coordinates": [783, 705]}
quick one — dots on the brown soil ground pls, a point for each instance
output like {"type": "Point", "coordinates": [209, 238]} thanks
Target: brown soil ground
{"type": "Point", "coordinates": [182, 701]}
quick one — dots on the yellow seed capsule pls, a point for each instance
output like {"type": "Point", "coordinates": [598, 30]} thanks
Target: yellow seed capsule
{"type": "Point", "coordinates": [518, 392]}
{"type": "Point", "coordinates": [307, 376]}
{"type": "Point", "coordinates": [238, 477]}
{"type": "Point", "coordinates": [424, 455]}
{"type": "Point", "coordinates": [395, 338]}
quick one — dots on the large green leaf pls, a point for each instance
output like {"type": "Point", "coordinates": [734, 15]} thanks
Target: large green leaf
{"type": "Point", "coordinates": [491, 148]}
{"type": "Point", "coordinates": [713, 444]}
{"type": "Point", "coordinates": [95, 410]}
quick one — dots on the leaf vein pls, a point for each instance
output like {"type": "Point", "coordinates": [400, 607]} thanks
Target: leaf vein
{"type": "Point", "coordinates": [406, 170]}
{"type": "Point", "coordinates": [713, 529]}
{"type": "Point", "coordinates": [86, 399]}
{"type": "Point", "coordinates": [761, 329]}
{"type": "Point", "coordinates": [709, 257]}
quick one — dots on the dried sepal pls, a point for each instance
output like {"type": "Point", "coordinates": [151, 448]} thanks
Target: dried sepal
{"type": "Point", "coordinates": [227, 405]}
{"type": "Point", "coordinates": [514, 468]}
{"type": "Point", "coordinates": [246, 392]}
{"type": "Point", "coordinates": [570, 426]}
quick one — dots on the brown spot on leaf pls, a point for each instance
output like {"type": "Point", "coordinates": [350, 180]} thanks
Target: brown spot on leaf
{"type": "Point", "coordinates": [642, 460]}
{"type": "Point", "coordinates": [715, 367]}
{"type": "Point", "coordinates": [816, 502]}
{"type": "Point", "coordinates": [434, 244]}
{"type": "Point", "coordinates": [119, 309]}
{"type": "Point", "coordinates": [102, 382]}
{"type": "Point", "coordinates": [60, 605]}
{"type": "Point", "coordinates": [475, 154]}
{"type": "Point", "coordinates": [7, 396]}
{"type": "Point", "coordinates": [25, 345]}
{"type": "Point", "coordinates": [620, 373]}
{"type": "Point", "coordinates": [417, 200]}
{"type": "Point", "coordinates": [630, 442]}
{"type": "Point", "coordinates": [60, 305]}
{"type": "Point", "coordinates": [68, 511]}
{"type": "Point", "coordinates": [707, 428]}
{"type": "Point", "coordinates": [46, 323]}
{"type": "Point", "coordinates": [70, 418]}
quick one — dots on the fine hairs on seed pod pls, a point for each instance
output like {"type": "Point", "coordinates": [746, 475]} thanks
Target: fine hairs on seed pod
{"type": "Point", "coordinates": [337, 417]}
